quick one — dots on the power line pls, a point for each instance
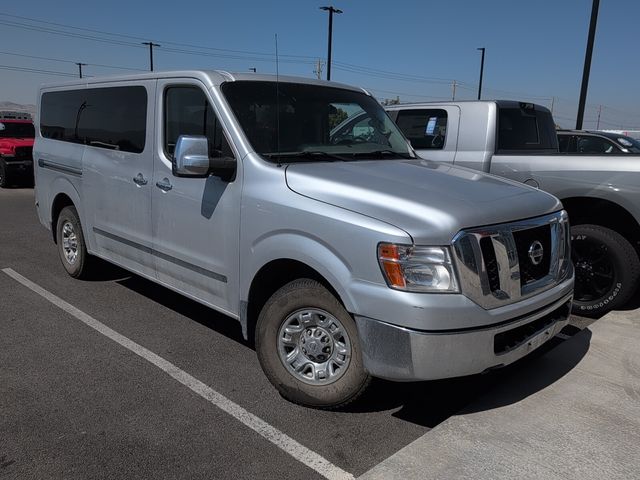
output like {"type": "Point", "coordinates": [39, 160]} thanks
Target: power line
{"type": "Point", "coordinates": [22, 55]}
{"type": "Point", "coordinates": [36, 70]}
{"type": "Point", "coordinates": [136, 38]}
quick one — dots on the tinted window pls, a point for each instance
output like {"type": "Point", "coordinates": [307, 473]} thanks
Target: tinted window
{"type": "Point", "coordinates": [526, 129]}
{"type": "Point", "coordinates": [17, 130]}
{"type": "Point", "coordinates": [589, 144]}
{"type": "Point", "coordinates": [113, 118]}
{"type": "Point", "coordinates": [291, 119]}
{"type": "Point", "coordinates": [187, 112]}
{"type": "Point", "coordinates": [563, 143]}
{"type": "Point", "coordinates": [424, 128]}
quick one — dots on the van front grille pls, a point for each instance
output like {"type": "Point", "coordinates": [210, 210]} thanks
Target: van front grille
{"type": "Point", "coordinates": [505, 263]}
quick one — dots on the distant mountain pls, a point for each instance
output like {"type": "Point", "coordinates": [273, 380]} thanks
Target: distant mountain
{"type": "Point", "coordinates": [17, 107]}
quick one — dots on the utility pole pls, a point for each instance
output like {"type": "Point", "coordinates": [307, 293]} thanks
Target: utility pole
{"type": "Point", "coordinates": [331, 11]}
{"type": "Point", "coordinates": [553, 101]}
{"type": "Point", "coordinates": [481, 73]}
{"type": "Point", "coordinates": [80, 65]}
{"type": "Point", "coordinates": [598, 122]}
{"type": "Point", "coordinates": [453, 86]}
{"type": "Point", "coordinates": [318, 70]}
{"type": "Point", "coordinates": [587, 63]}
{"type": "Point", "coordinates": [151, 45]}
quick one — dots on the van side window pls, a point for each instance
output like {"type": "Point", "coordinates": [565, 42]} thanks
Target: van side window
{"type": "Point", "coordinates": [114, 117]}
{"type": "Point", "coordinates": [188, 112]}
{"type": "Point", "coordinates": [426, 129]}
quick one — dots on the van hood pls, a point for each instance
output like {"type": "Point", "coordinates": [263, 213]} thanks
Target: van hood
{"type": "Point", "coordinates": [430, 201]}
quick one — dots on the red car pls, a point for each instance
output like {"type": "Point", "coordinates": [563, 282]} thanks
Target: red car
{"type": "Point", "coordinates": [16, 146]}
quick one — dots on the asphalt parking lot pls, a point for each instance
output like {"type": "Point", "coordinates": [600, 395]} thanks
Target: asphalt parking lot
{"type": "Point", "coordinates": [120, 378]}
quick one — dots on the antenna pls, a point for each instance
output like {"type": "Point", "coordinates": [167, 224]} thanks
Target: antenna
{"type": "Point", "coordinates": [277, 104]}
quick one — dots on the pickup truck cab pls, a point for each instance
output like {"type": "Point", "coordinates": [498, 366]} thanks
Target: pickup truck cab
{"type": "Point", "coordinates": [342, 259]}
{"type": "Point", "coordinates": [518, 140]}
{"type": "Point", "coordinates": [16, 145]}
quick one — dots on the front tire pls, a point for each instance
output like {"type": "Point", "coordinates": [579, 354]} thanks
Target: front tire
{"type": "Point", "coordinates": [607, 270]}
{"type": "Point", "coordinates": [307, 344]}
{"type": "Point", "coordinates": [71, 244]}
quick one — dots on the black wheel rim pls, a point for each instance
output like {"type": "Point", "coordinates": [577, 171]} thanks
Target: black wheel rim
{"type": "Point", "coordinates": [595, 272]}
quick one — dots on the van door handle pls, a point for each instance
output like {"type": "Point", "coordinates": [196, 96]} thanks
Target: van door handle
{"type": "Point", "coordinates": [164, 185]}
{"type": "Point", "coordinates": [140, 180]}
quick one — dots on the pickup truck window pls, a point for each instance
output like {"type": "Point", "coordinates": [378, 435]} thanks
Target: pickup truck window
{"type": "Point", "coordinates": [426, 129]}
{"type": "Point", "coordinates": [525, 129]}
{"type": "Point", "coordinates": [188, 112]}
{"type": "Point", "coordinates": [303, 122]}
{"type": "Point", "coordinates": [113, 118]}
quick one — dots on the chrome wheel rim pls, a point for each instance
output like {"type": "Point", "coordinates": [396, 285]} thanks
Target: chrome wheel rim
{"type": "Point", "coordinates": [69, 243]}
{"type": "Point", "coordinates": [314, 346]}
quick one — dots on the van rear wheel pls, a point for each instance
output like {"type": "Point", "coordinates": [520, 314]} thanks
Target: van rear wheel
{"type": "Point", "coordinates": [307, 344]}
{"type": "Point", "coordinates": [71, 244]}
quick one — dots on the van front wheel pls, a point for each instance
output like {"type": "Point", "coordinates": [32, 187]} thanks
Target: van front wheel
{"type": "Point", "coordinates": [307, 344]}
{"type": "Point", "coordinates": [71, 245]}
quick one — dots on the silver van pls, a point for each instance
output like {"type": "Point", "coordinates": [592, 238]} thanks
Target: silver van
{"type": "Point", "coordinates": [342, 257]}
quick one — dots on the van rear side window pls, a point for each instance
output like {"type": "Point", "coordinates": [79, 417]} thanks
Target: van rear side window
{"type": "Point", "coordinates": [522, 129]}
{"type": "Point", "coordinates": [114, 118]}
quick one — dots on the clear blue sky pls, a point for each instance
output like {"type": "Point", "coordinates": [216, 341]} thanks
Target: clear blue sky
{"type": "Point", "coordinates": [535, 48]}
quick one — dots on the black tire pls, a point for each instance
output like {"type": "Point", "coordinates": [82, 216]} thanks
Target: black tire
{"type": "Point", "coordinates": [607, 270]}
{"type": "Point", "coordinates": [81, 266]}
{"type": "Point", "coordinates": [295, 297]}
{"type": "Point", "coordinates": [4, 181]}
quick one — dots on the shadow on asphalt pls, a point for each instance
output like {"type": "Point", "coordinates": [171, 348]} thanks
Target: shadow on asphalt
{"type": "Point", "coordinates": [430, 403]}
{"type": "Point", "coordinates": [422, 403]}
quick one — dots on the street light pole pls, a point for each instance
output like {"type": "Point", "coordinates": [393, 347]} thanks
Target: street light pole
{"type": "Point", "coordinates": [151, 45]}
{"type": "Point", "coordinates": [331, 11]}
{"type": "Point", "coordinates": [587, 63]}
{"type": "Point", "coordinates": [481, 73]}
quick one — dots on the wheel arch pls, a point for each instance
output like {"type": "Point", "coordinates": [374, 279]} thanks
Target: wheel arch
{"type": "Point", "coordinates": [606, 213]}
{"type": "Point", "coordinates": [271, 277]}
{"type": "Point", "coordinates": [66, 195]}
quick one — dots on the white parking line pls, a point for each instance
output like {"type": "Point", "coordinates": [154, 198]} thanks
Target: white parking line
{"type": "Point", "coordinates": [298, 451]}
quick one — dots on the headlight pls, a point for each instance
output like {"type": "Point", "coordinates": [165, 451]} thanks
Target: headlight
{"type": "Point", "coordinates": [417, 269]}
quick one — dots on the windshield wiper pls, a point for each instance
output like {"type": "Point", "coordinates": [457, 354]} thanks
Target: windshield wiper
{"type": "Point", "coordinates": [311, 155]}
{"type": "Point", "coordinates": [382, 154]}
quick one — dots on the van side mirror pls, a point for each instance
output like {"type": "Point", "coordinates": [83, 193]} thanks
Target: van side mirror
{"type": "Point", "coordinates": [191, 156]}
{"type": "Point", "coordinates": [191, 159]}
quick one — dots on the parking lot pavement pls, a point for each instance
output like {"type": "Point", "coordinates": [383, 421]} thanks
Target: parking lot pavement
{"type": "Point", "coordinates": [75, 403]}
{"type": "Point", "coordinates": [585, 425]}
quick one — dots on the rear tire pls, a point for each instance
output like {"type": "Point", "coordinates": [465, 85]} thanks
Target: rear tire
{"type": "Point", "coordinates": [607, 270]}
{"type": "Point", "coordinates": [71, 244]}
{"type": "Point", "coordinates": [308, 347]}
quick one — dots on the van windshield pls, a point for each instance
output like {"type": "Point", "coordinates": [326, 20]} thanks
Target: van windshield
{"type": "Point", "coordinates": [294, 122]}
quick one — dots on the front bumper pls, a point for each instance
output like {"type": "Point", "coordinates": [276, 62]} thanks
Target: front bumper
{"type": "Point", "coordinates": [403, 354]}
{"type": "Point", "coordinates": [18, 167]}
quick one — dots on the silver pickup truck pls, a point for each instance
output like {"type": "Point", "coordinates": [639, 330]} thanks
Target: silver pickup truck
{"type": "Point", "coordinates": [342, 259]}
{"type": "Point", "coordinates": [518, 140]}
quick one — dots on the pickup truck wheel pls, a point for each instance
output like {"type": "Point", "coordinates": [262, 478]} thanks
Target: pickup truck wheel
{"type": "Point", "coordinates": [71, 244]}
{"type": "Point", "coordinates": [307, 344]}
{"type": "Point", "coordinates": [607, 269]}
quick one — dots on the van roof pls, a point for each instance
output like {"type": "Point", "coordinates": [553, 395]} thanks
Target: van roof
{"type": "Point", "coordinates": [213, 77]}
